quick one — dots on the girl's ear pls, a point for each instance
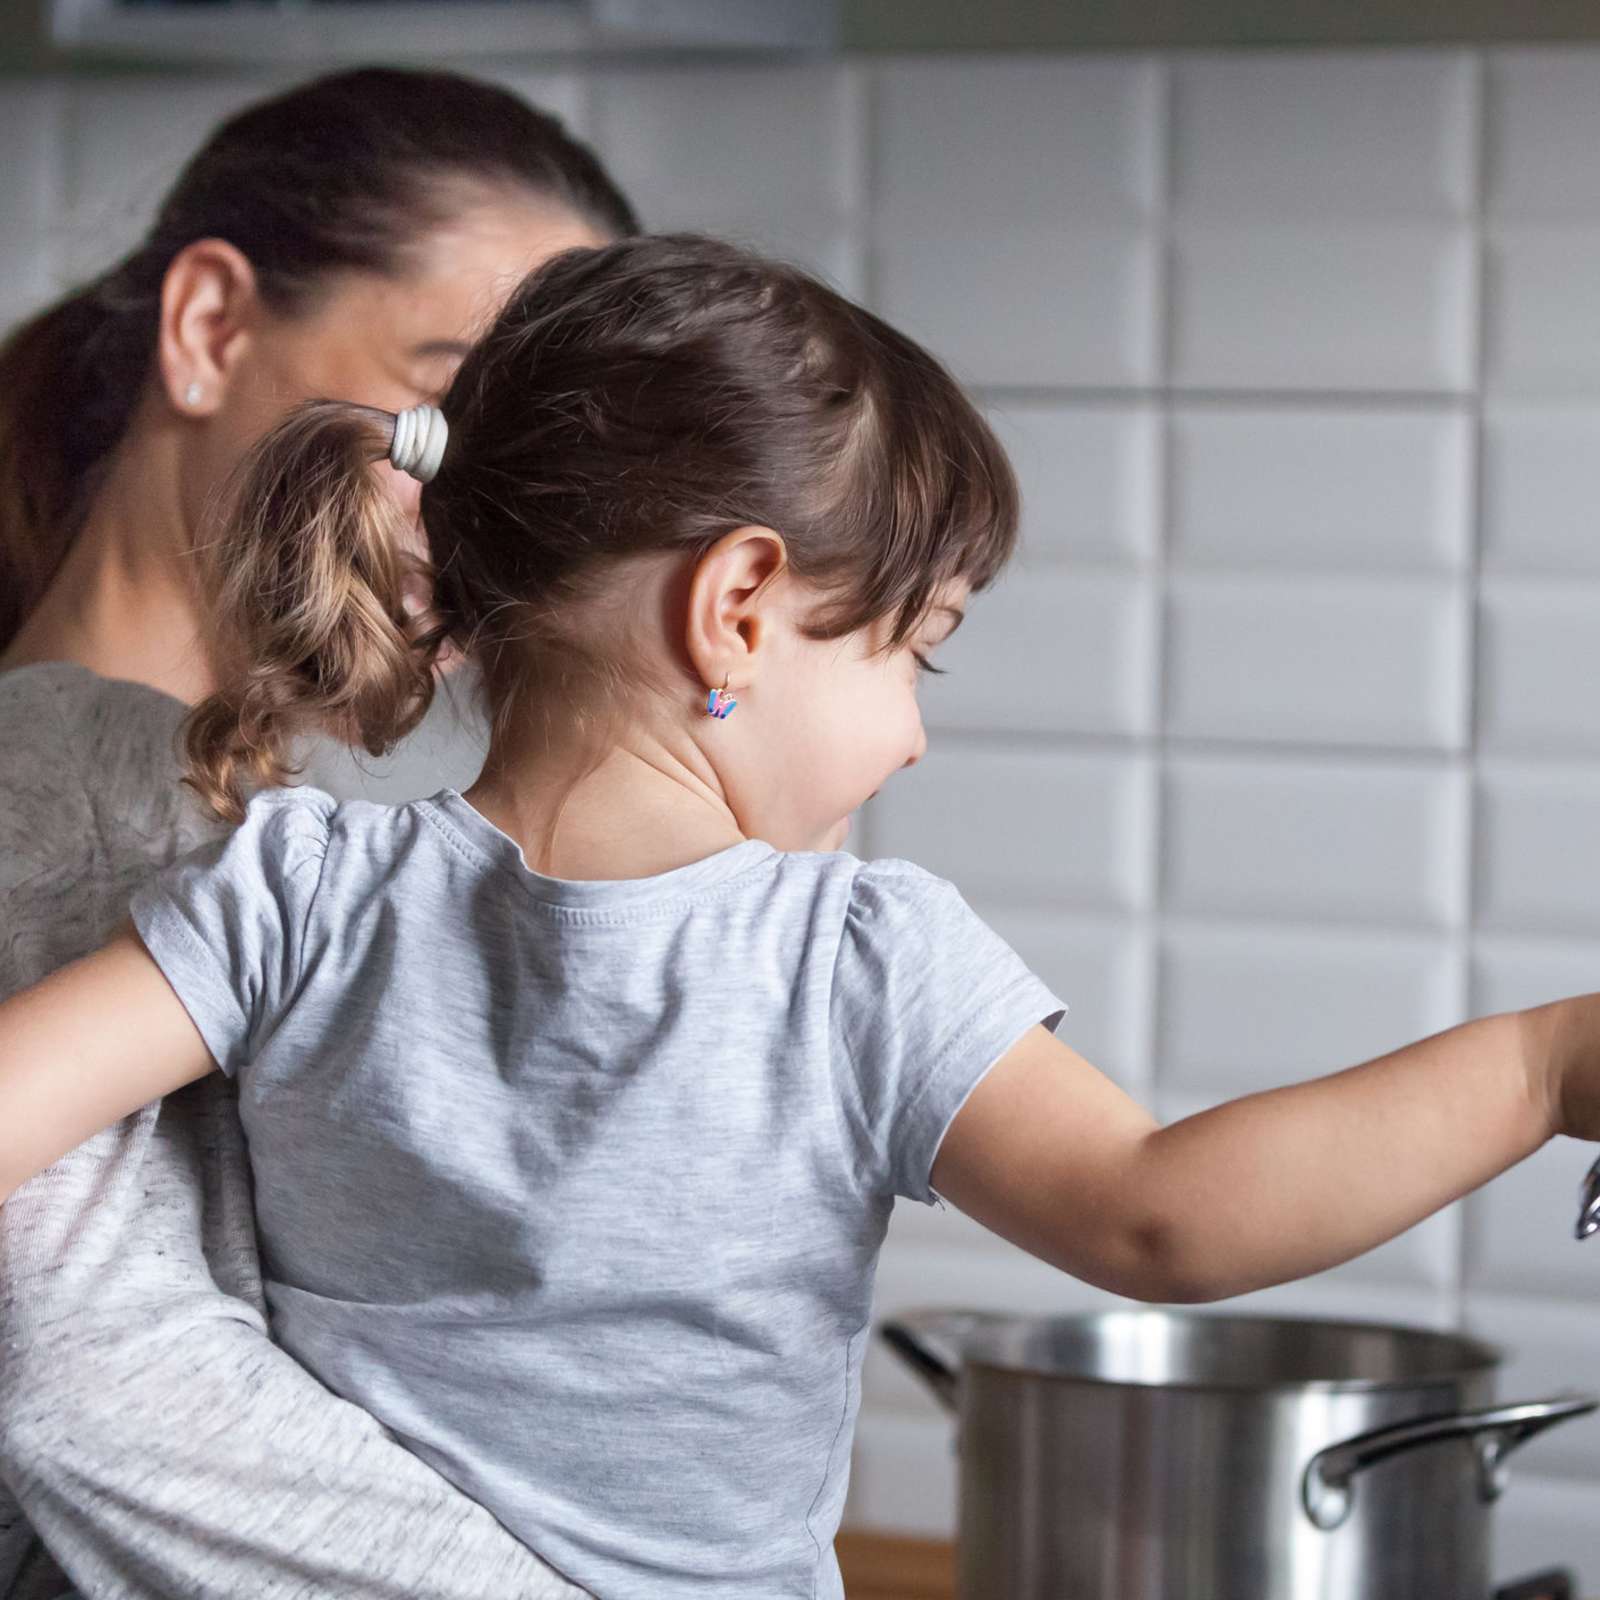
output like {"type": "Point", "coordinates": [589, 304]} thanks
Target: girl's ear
{"type": "Point", "coordinates": [730, 603]}
{"type": "Point", "coordinates": [208, 303]}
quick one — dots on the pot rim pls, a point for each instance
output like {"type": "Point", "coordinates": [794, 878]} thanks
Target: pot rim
{"type": "Point", "coordinates": [1477, 1355]}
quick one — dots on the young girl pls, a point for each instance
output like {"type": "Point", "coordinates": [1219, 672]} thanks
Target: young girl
{"type": "Point", "coordinates": [575, 1172]}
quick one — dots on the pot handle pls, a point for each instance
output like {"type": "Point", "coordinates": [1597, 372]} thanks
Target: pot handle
{"type": "Point", "coordinates": [1327, 1487]}
{"type": "Point", "coordinates": [929, 1342]}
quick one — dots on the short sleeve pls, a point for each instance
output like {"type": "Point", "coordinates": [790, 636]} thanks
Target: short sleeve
{"type": "Point", "coordinates": [926, 998]}
{"type": "Point", "coordinates": [226, 923]}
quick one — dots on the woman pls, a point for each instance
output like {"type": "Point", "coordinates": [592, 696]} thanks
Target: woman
{"type": "Point", "coordinates": [345, 239]}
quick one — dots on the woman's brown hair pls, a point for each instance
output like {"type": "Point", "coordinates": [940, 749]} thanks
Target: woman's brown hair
{"type": "Point", "coordinates": [340, 173]}
{"type": "Point", "coordinates": [639, 399]}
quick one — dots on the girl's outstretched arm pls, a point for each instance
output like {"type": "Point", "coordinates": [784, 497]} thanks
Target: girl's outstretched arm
{"type": "Point", "coordinates": [85, 1047]}
{"type": "Point", "coordinates": [1050, 1154]}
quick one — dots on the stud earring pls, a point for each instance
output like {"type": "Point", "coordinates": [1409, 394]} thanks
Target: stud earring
{"type": "Point", "coordinates": [719, 703]}
{"type": "Point", "coordinates": [192, 395]}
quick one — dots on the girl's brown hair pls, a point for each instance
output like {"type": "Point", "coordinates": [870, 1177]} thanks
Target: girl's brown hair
{"type": "Point", "coordinates": [640, 399]}
{"type": "Point", "coordinates": [340, 173]}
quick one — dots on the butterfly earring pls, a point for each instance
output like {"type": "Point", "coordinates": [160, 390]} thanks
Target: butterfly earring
{"type": "Point", "coordinates": [719, 703]}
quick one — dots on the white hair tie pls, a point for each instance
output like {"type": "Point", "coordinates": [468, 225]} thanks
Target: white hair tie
{"type": "Point", "coordinates": [420, 434]}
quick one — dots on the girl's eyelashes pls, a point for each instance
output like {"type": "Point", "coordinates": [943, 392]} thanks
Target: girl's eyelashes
{"type": "Point", "coordinates": [925, 665]}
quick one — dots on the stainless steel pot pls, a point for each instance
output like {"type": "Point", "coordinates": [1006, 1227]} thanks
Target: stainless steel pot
{"type": "Point", "coordinates": [1167, 1455]}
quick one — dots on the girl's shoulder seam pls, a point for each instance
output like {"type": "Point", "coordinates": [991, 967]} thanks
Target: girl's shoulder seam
{"type": "Point", "coordinates": [300, 799]}
{"type": "Point", "coordinates": [897, 872]}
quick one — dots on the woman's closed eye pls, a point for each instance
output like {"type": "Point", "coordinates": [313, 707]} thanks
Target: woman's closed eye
{"type": "Point", "coordinates": [925, 665]}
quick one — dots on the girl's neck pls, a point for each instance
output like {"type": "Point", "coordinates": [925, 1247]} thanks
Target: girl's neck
{"type": "Point", "coordinates": [642, 811]}
{"type": "Point", "coordinates": [124, 603]}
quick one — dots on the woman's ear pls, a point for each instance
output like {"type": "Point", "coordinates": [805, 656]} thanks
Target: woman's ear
{"type": "Point", "coordinates": [208, 302]}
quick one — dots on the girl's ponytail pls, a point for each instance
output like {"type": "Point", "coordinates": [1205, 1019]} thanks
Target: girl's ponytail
{"type": "Point", "coordinates": [311, 573]}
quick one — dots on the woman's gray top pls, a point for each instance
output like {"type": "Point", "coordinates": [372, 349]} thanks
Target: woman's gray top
{"type": "Point", "coordinates": [151, 1435]}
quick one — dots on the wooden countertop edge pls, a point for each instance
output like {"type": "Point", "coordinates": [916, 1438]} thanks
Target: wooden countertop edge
{"type": "Point", "coordinates": [889, 1566]}
{"type": "Point", "coordinates": [884, 1566]}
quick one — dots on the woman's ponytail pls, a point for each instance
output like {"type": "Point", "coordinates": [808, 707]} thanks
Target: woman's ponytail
{"type": "Point", "coordinates": [69, 378]}
{"type": "Point", "coordinates": [312, 573]}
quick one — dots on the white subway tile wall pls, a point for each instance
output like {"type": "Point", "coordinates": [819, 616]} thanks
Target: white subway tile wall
{"type": "Point", "coordinates": [1045, 176]}
{"type": "Point", "coordinates": [1280, 745]}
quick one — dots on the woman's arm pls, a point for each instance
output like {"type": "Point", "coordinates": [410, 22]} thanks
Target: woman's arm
{"type": "Point", "coordinates": [83, 1048]}
{"type": "Point", "coordinates": [1050, 1154]}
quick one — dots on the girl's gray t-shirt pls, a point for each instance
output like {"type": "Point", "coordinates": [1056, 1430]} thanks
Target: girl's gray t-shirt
{"type": "Point", "coordinates": [579, 1186]}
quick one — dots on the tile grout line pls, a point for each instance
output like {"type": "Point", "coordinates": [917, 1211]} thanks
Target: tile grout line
{"type": "Point", "coordinates": [58, 180]}
{"type": "Point", "coordinates": [1153, 1031]}
{"type": "Point", "coordinates": [1242, 397]}
{"type": "Point", "coordinates": [855, 89]}
{"type": "Point", "coordinates": [867, 101]}
{"type": "Point", "coordinates": [589, 98]}
{"type": "Point", "coordinates": [1482, 103]}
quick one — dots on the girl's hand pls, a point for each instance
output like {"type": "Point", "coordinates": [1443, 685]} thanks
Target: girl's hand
{"type": "Point", "coordinates": [1563, 1053]}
